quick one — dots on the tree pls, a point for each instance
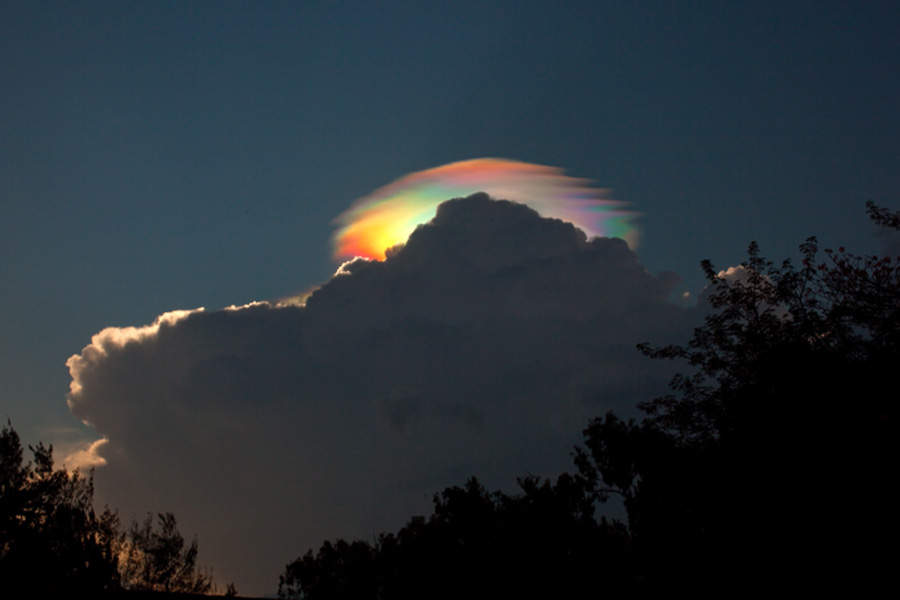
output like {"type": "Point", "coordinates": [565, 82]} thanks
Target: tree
{"type": "Point", "coordinates": [51, 540]}
{"type": "Point", "coordinates": [770, 459]}
{"type": "Point", "coordinates": [157, 559]}
{"type": "Point", "coordinates": [542, 542]}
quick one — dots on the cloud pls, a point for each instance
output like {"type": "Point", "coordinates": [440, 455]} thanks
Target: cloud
{"type": "Point", "coordinates": [85, 456]}
{"type": "Point", "coordinates": [112, 338]}
{"type": "Point", "coordinates": [480, 347]}
{"type": "Point", "coordinates": [736, 273]}
{"type": "Point", "coordinates": [387, 216]}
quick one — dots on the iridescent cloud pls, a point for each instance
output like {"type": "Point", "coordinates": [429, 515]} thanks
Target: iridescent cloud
{"type": "Point", "coordinates": [388, 215]}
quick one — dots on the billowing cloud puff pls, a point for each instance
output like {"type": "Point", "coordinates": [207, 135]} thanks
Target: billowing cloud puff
{"type": "Point", "coordinates": [85, 456]}
{"type": "Point", "coordinates": [481, 347]}
{"type": "Point", "coordinates": [112, 338]}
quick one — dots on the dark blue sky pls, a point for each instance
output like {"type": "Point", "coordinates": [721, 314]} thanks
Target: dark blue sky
{"type": "Point", "coordinates": [171, 155]}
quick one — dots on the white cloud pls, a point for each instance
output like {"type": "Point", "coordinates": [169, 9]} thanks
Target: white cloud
{"type": "Point", "coordinates": [112, 338]}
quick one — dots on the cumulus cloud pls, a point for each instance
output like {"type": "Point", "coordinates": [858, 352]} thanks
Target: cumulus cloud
{"type": "Point", "coordinates": [480, 347]}
{"type": "Point", "coordinates": [112, 338]}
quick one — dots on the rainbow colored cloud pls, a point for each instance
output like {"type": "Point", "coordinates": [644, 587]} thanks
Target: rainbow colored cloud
{"type": "Point", "coordinates": [387, 216]}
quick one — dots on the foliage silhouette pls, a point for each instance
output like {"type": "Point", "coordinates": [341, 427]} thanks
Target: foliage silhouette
{"type": "Point", "coordinates": [784, 427]}
{"type": "Point", "coordinates": [544, 541]}
{"type": "Point", "coordinates": [157, 560]}
{"type": "Point", "coordinates": [51, 540]}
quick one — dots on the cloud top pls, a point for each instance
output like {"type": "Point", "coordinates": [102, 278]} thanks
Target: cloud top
{"type": "Point", "coordinates": [387, 216]}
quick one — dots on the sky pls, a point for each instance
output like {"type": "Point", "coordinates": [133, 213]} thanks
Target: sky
{"type": "Point", "coordinates": [174, 155]}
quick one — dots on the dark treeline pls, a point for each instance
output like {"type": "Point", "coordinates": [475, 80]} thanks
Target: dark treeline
{"type": "Point", "coordinates": [477, 544]}
{"type": "Point", "coordinates": [52, 542]}
{"type": "Point", "coordinates": [768, 467]}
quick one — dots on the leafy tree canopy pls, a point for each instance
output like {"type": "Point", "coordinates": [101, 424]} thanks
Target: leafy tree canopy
{"type": "Point", "coordinates": [157, 559]}
{"type": "Point", "coordinates": [782, 431]}
{"type": "Point", "coordinates": [51, 540]}
{"type": "Point", "coordinates": [544, 541]}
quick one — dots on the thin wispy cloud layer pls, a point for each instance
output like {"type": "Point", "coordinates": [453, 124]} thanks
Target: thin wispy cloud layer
{"type": "Point", "coordinates": [481, 347]}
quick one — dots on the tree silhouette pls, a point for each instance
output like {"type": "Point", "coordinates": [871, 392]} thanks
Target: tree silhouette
{"type": "Point", "coordinates": [51, 540]}
{"type": "Point", "coordinates": [158, 560]}
{"type": "Point", "coordinates": [53, 543]}
{"type": "Point", "coordinates": [543, 542]}
{"type": "Point", "coordinates": [783, 429]}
